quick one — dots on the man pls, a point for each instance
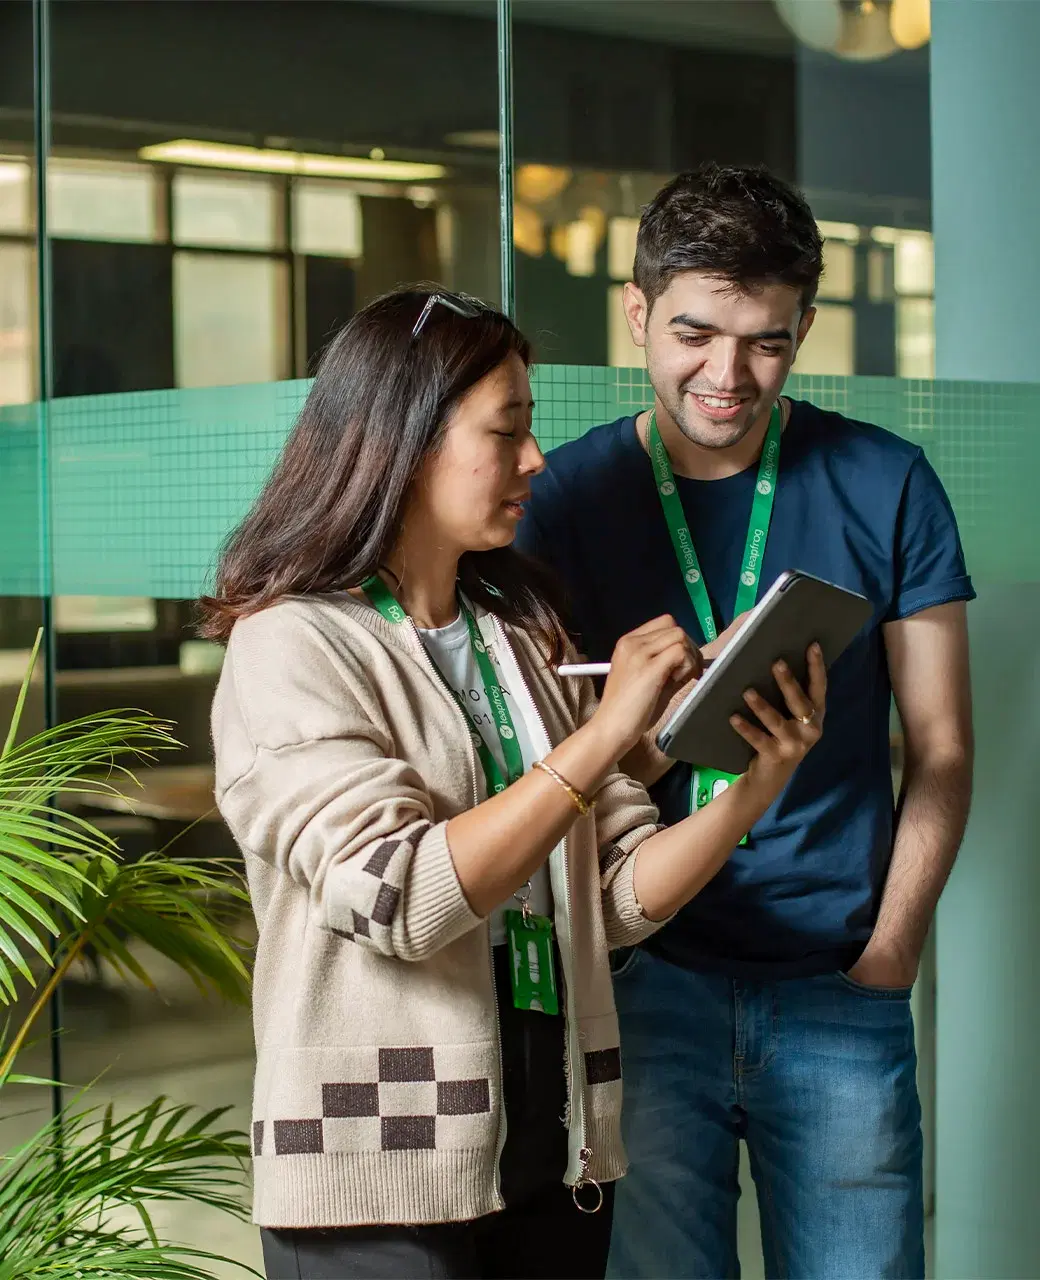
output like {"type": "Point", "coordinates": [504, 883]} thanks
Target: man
{"type": "Point", "coordinates": [775, 1007]}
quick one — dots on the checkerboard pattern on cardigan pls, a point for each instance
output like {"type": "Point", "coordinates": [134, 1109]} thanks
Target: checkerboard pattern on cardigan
{"type": "Point", "coordinates": [380, 894]}
{"type": "Point", "coordinates": [407, 1109]}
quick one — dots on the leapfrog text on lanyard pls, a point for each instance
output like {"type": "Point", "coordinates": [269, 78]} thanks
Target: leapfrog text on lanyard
{"type": "Point", "coordinates": [529, 935]}
{"type": "Point", "coordinates": [706, 784]}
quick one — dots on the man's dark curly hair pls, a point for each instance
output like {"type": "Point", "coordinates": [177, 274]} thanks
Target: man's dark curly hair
{"type": "Point", "coordinates": [738, 223]}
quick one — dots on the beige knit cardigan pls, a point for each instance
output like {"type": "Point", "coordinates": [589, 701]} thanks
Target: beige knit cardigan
{"type": "Point", "coordinates": [340, 757]}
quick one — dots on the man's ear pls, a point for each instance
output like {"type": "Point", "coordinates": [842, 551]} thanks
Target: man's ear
{"type": "Point", "coordinates": [637, 313]}
{"type": "Point", "coordinates": [804, 325]}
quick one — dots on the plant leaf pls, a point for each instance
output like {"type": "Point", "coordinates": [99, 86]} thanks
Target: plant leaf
{"type": "Point", "coordinates": [16, 925]}
{"type": "Point", "coordinates": [51, 889]}
{"type": "Point", "coordinates": [112, 1160]}
{"type": "Point", "coordinates": [118, 955]}
{"type": "Point", "coordinates": [23, 693]}
{"type": "Point", "coordinates": [14, 893]}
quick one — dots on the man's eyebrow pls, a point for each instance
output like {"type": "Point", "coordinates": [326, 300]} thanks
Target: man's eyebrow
{"type": "Point", "coordinates": [705, 326]}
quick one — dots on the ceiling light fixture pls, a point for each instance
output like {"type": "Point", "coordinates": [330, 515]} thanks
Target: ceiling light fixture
{"type": "Point", "coordinates": [481, 139]}
{"type": "Point", "coordinates": [219, 155]}
{"type": "Point", "coordinates": [847, 231]}
{"type": "Point", "coordinates": [528, 230]}
{"type": "Point", "coordinates": [911, 23]}
{"type": "Point", "coordinates": [13, 172]}
{"type": "Point", "coordinates": [536, 183]}
{"type": "Point", "coordinates": [858, 30]}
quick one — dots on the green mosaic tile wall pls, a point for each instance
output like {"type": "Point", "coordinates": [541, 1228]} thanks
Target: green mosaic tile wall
{"type": "Point", "coordinates": [22, 547]}
{"type": "Point", "coordinates": [145, 486]}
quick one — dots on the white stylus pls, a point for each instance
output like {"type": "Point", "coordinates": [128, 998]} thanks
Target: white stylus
{"type": "Point", "coordinates": [594, 668]}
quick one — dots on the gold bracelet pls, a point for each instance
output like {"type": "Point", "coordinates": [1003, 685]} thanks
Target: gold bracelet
{"type": "Point", "coordinates": [583, 806]}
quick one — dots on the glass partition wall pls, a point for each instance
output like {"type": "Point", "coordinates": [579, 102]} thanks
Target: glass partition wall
{"type": "Point", "coordinates": [195, 194]}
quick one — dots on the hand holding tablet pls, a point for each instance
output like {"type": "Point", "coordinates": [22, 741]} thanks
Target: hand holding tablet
{"type": "Point", "coordinates": [798, 611]}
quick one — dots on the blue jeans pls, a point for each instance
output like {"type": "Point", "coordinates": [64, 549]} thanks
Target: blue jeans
{"type": "Point", "coordinates": [818, 1075]}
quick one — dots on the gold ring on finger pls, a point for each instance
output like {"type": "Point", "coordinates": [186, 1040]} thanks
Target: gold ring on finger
{"type": "Point", "coordinates": [809, 719]}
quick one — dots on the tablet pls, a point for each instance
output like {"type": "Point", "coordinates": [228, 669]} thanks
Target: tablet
{"type": "Point", "coordinates": [794, 612]}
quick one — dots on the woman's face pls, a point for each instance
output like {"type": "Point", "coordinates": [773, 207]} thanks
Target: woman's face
{"type": "Point", "coordinates": [470, 494]}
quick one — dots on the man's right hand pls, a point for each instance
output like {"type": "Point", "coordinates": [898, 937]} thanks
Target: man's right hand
{"type": "Point", "coordinates": [646, 762]}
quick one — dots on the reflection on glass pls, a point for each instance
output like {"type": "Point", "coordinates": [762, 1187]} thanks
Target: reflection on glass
{"type": "Point", "coordinates": [839, 271]}
{"type": "Point", "coordinates": [914, 263]}
{"type": "Point", "coordinates": [621, 247]}
{"type": "Point", "coordinates": [189, 270]}
{"type": "Point", "coordinates": [16, 323]}
{"type": "Point", "coordinates": [104, 613]}
{"type": "Point", "coordinates": [581, 241]}
{"type": "Point", "coordinates": [234, 212]}
{"type": "Point", "coordinates": [880, 286]}
{"type": "Point", "coordinates": [326, 219]}
{"type": "Point", "coordinates": [915, 338]}
{"type": "Point", "coordinates": [852, 133]}
{"type": "Point", "coordinates": [529, 231]}
{"type": "Point", "coordinates": [622, 352]}
{"type": "Point", "coordinates": [348, 193]}
{"type": "Point", "coordinates": [99, 200]}
{"type": "Point", "coordinates": [15, 204]}
{"type": "Point", "coordinates": [830, 347]}
{"type": "Point", "coordinates": [275, 160]}
{"type": "Point", "coordinates": [229, 319]}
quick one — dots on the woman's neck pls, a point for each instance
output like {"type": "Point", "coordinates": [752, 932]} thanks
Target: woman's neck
{"type": "Point", "coordinates": [423, 577]}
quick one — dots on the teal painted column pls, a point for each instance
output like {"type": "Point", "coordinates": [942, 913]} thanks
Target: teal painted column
{"type": "Point", "coordinates": [986, 188]}
{"type": "Point", "coordinates": [986, 201]}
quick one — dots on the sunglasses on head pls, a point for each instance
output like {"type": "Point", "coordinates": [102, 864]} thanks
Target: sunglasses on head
{"type": "Point", "coordinates": [468, 308]}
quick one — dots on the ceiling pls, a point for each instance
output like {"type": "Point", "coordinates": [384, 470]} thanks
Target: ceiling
{"type": "Point", "coordinates": [753, 25]}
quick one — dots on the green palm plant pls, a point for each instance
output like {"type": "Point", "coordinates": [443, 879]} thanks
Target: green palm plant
{"type": "Point", "coordinates": [75, 1197]}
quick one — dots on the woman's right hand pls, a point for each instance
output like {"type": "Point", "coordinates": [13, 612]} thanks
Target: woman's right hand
{"type": "Point", "coordinates": [647, 667]}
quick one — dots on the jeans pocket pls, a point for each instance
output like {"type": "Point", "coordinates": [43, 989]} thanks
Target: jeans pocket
{"type": "Point", "coordinates": [623, 961]}
{"type": "Point", "coordinates": [873, 993]}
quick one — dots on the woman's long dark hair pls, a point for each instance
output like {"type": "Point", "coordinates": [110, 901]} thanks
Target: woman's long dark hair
{"type": "Point", "coordinates": [332, 509]}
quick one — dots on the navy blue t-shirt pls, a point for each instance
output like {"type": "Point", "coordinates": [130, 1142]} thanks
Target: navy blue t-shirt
{"type": "Point", "coordinates": [855, 505]}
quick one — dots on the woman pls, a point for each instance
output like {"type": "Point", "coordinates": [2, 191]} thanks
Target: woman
{"type": "Point", "coordinates": [439, 846]}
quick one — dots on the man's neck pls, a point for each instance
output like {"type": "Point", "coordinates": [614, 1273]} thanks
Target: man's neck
{"type": "Point", "coordinates": [694, 461]}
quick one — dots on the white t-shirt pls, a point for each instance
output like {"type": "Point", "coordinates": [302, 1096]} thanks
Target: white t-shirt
{"type": "Point", "coordinates": [450, 649]}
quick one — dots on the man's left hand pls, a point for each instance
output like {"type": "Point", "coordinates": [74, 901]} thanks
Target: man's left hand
{"type": "Point", "coordinates": [885, 967]}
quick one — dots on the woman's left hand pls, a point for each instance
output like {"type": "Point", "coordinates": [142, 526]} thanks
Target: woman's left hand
{"type": "Point", "coordinates": [782, 743]}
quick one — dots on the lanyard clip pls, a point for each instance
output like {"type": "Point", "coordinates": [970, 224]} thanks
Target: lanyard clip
{"type": "Point", "coordinates": [523, 896]}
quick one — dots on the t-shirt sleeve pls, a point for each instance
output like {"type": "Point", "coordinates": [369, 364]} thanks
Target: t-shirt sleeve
{"type": "Point", "coordinates": [930, 568]}
{"type": "Point", "coordinates": [549, 532]}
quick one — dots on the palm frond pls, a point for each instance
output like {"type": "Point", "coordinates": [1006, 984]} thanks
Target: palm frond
{"type": "Point", "coordinates": [117, 1256]}
{"type": "Point", "coordinates": [70, 751]}
{"type": "Point", "coordinates": [161, 1152]}
{"type": "Point", "coordinates": [179, 907]}
{"type": "Point", "coordinates": [44, 849]}
{"type": "Point", "coordinates": [67, 1193]}
{"type": "Point", "coordinates": [23, 693]}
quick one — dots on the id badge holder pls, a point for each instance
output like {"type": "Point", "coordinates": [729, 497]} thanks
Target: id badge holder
{"type": "Point", "coordinates": [706, 784]}
{"type": "Point", "coordinates": [531, 968]}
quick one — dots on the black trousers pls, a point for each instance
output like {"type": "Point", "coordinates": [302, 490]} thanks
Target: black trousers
{"type": "Point", "coordinates": [540, 1235]}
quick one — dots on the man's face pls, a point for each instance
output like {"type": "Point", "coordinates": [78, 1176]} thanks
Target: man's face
{"type": "Point", "coordinates": [717, 357]}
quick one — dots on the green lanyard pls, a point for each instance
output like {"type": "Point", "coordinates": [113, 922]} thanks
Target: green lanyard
{"type": "Point", "coordinates": [682, 541]}
{"type": "Point", "coordinates": [382, 598]}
